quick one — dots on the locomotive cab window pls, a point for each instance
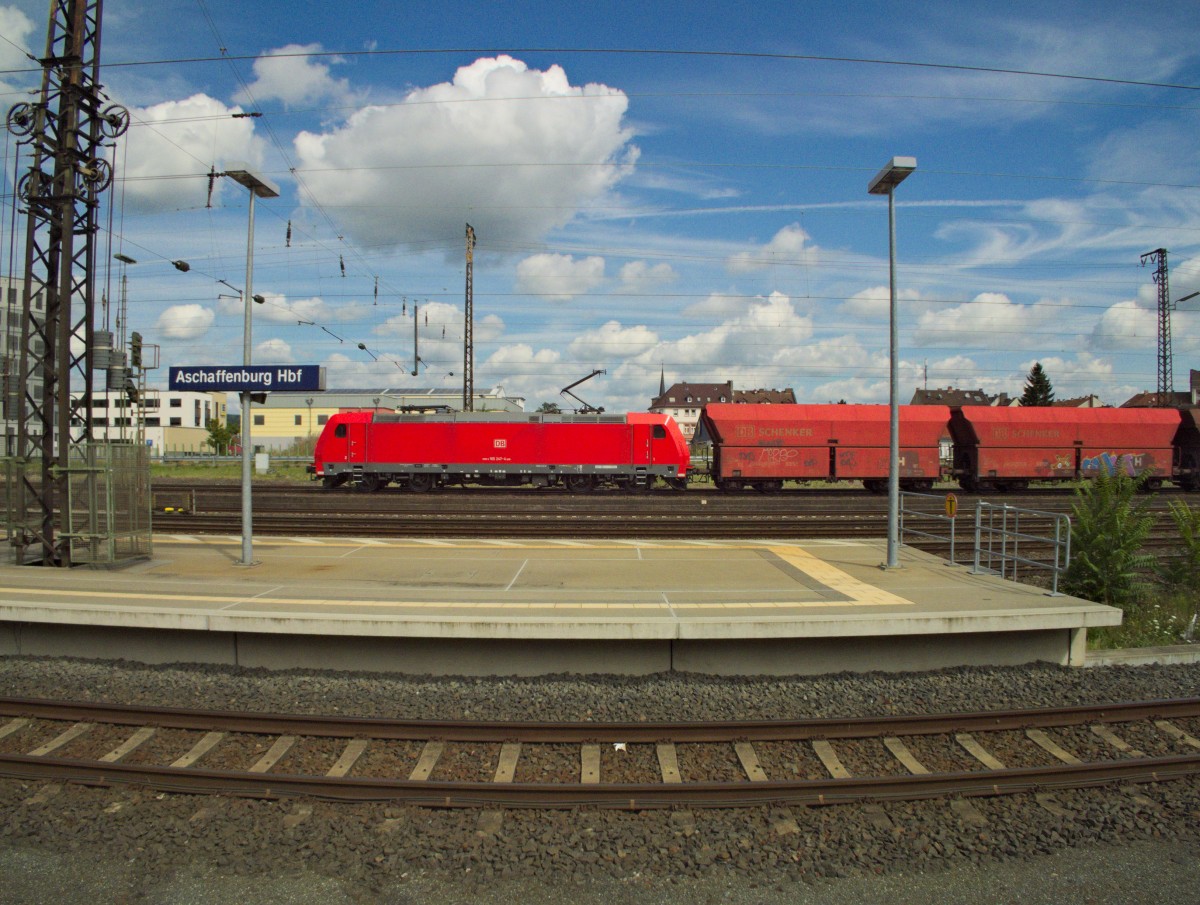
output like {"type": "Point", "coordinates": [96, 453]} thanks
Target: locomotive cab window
{"type": "Point", "coordinates": [340, 431]}
{"type": "Point", "coordinates": [660, 432]}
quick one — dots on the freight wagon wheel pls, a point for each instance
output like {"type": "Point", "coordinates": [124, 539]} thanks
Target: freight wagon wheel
{"type": "Point", "coordinates": [769, 486]}
{"type": "Point", "coordinates": [420, 483]}
{"type": "Point", "coordinates": [1152, 485]}
{"type": "Point", "coordinates": [579, 483]}
{"type": "Point", "coordinates": [1189, 480]}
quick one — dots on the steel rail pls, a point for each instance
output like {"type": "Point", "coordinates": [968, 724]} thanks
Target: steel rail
{"type": "Point", "coordinates": [454, 730]}
{"type": "Point", "coordinates": [628, 796]}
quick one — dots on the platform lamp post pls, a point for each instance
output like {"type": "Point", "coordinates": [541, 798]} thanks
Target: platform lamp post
{"type": "Point", "coordinates": [259, 188]}
{"type": "Point", "coordinates": [885, 183]}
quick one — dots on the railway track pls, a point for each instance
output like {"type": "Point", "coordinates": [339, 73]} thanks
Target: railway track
{"type": "Point", "coordinates": [299, 509]}
{"type": "Point", "coordinates": [613, 765]}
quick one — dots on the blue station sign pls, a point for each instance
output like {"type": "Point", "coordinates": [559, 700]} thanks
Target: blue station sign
{"type": "Point", "coordinates": [247, 378]}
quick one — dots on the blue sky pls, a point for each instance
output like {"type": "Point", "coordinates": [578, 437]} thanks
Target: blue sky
{"type": "Point", "coordinates": [656, 187]}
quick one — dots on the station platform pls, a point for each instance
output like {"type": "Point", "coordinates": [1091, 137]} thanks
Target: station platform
{"type": "Point", "coordinates": [494, 607]}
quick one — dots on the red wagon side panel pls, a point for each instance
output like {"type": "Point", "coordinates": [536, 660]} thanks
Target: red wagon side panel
{"type": "Point", "coordinates": [1049, 442]}
{"type": "Point", "coordinates": [822, 441]}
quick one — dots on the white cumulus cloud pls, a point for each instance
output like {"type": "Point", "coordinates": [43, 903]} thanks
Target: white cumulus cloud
{"type": "Point", "coordinates": [289, 75]}
{"type": "Point", "coordinates": [640, 276]}
{"type": "Point", "coordinates": [612, 341]}
{"type": "Point", "coordinates": [514, 151]}
{"type": "Point", "coordinates": [559, 278]}
{"type": "Point", "coordinates": [16, 28]}
{"type": "Point", "coordinates": [168, 144]}
{"type": "Point", "coordinates": [788, 246]}
{"type": "Point", "coordinates": [185, 321]}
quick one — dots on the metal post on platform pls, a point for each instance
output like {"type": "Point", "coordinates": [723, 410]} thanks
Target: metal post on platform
{"type": "Point", "coordinates": [260, 188]}
{"type": "Point", "coordinates": [884, 183]}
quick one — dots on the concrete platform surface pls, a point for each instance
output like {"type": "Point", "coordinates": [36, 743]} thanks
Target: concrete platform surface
{"type": "Point", "coordinates": [529, 607]}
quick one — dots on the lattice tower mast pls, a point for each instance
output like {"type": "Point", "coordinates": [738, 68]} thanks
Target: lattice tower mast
{"type": "Point", "coordinates": [1166, 364]}
{"type": "Point", "coordinates": [469, 327]}
{"type": "Point", "coordinates": [61, 193]}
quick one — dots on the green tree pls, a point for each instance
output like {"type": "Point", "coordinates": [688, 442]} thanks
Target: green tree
{"type": "Point", "coordinates": [220, 436]}
{"type": "Point", "coordinates": [1110, 523]}
{"type": "Point", "coordinates": [549, 408]}
{"type": "Point", "coordinates": [1037, 387]}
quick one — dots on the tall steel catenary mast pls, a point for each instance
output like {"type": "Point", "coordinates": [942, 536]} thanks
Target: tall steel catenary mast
{"type": "Point", "coordinates": [61, 192]}
{"type": "Point", "coordinates": [468, 327]}
{"type": "Point", "coordinates": [1166, 364]}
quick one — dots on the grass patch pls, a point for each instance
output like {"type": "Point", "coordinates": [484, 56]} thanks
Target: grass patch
{"type": "Point", "coordinates": [1167, 619]}
{"type": "Point", "coordinates": [221, 470]}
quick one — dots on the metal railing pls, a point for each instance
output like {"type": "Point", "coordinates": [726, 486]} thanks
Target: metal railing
{"type": "Point", "coordinates": [999, 538]}
{"type": "Point", "coordinates": [909, 502]}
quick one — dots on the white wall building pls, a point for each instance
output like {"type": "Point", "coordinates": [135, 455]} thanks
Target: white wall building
{"type": "Point", "coordinates": [175, 421]}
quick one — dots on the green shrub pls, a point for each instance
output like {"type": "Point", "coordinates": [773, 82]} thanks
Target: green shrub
{"type": "Point", "coordinates": [1110, 523]}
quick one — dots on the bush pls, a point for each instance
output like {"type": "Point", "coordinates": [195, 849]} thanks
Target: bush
{"type": "Point", "coordinates": [1110, 522]}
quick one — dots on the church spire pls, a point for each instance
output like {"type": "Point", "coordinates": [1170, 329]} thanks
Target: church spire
{"type": "Point", "coordinates": [662, 382]}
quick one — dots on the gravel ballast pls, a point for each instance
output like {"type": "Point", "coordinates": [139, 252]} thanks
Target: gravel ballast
{"type": "Point", "coordinates": [164, 847]}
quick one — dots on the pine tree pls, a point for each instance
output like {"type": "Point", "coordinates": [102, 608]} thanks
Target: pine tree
{"type": "Point", "coordinates": [1037, 387]}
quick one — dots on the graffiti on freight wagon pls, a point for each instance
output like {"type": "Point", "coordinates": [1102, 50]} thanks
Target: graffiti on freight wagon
{"type": "Point", "coordinates": [1131, 464]}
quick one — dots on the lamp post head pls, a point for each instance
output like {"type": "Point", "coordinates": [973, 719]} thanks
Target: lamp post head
{"type": "Point", "coordinates": [259, 185]}
{"type": "Point", "coordinates": [124, 259]}
{"type": "Point", "coordinates": [891, 175]}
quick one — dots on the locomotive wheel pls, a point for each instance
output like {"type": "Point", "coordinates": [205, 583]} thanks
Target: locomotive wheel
{"type": "Point", "coordinates": [331, 482]}
{"type": "Point", "coordinates": [372, 483]}
{"type": "Point", "coordinates": [579, 483]}
{"type": "Point", "coordinates": [420, 483]}
{"type": "Point", "coordinates": [677, 483]}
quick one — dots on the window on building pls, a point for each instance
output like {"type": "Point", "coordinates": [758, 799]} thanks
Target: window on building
{"type": "Point", "coordinates": [260, 420]}
{"type": "Point", "coordinates": [153, 422]}
{"type": "Point", "coordinates": [176, 422]}
{"type": "Point", "coordinates": [322, 419]}
{"type": "Point", "coordinates": [299, 419]}
{"type": "Point", "coordinates": [196, 414]}
{"type": "Point", "coordinates": [176, 403]}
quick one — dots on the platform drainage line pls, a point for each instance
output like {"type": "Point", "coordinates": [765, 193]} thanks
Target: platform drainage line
{"type": "Point", "coordinates": [524, 563]}
{"type": "Point", "coordinates": [670, 609]}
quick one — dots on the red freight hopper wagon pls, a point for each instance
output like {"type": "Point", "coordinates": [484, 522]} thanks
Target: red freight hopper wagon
{"type": "Point", "coordinates": [761, 446]}
{"type": "Point", "coordinates": [1006, 448]}
{"type": "Point", "coordinates": [421, 452]}
{"type": "Point", "coordinates": [1187, 450]}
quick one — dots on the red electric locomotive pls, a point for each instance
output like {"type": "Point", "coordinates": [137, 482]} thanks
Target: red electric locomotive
{"type": "Point", "coordinates": [579, 452]}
